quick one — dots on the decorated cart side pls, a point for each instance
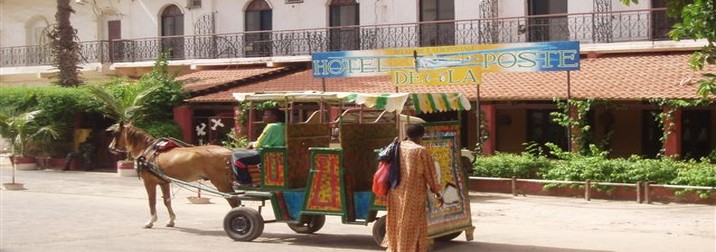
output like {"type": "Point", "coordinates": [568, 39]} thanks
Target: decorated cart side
{"type": "Point", "coordinates": [307, 179]}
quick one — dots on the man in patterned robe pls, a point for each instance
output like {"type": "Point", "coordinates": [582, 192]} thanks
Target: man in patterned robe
{"type": "Point", "coordinates": [406, 223]}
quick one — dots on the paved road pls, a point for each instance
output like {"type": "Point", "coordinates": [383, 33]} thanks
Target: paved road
{"type": "Point", "coordinates": [96, 211]}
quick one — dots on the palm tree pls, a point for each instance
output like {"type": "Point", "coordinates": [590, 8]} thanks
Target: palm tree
{"type": "Point", "coordinates": [23, 130]}
{"type": "Point", "coordinates": [65, 49]}
{"type": "Point", "coordinates": [126, 105]}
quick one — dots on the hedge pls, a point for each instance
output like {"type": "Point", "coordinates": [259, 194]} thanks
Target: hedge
{"type": "Point", "coordinates": [598, 168]}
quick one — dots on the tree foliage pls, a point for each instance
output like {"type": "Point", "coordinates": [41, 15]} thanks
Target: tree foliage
{"type": "Point", "coordinates": [65, 49]}
{"type": "Point", "coordinates": [697, 20]}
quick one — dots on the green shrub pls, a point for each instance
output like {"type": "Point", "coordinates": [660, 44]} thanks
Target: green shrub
{"type": "Point", "coordinates": [168, 92]}
{"type": "Point", "coordinates": [660, 171]}
{"type": "Point", "coordinates": [507, 165]}
{"type": "Point", "coordinates": [162, 129]}
{"type": "Point", "coordinates": [595, 166]}
{"type": "Point", "coordinates": [58, 105]}
{"type": "Point", "coordinates": [233, 142]}
{"type": "Point", "coordinates": [696, 174]}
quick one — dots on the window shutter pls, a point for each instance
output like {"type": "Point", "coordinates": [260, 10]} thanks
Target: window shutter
{"type": "Point", "coordinates": [191, 4]}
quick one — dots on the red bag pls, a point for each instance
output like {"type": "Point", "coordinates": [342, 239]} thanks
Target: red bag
{"type": "Point", "coordinates": [381, 179]}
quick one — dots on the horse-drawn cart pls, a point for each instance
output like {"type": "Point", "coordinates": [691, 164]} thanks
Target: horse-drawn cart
{"type": "Point", "coordinates": [314, 176]}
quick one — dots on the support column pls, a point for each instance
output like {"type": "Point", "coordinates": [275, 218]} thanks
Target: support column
{"type": "Point", "coordinates": [182, 117]}
{"type": "Point", "coordinates": [489, 146]}
{"type": "Point", "coordinates": [672, 145]}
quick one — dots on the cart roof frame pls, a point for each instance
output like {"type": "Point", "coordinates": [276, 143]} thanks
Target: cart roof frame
{"type": "Point", "coordinates": [423, 102]}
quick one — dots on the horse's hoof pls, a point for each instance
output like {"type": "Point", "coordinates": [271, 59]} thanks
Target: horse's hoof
{"type": "Point", "coordinates": [170, 224]}
{"type": "Point", "coordinates": [148, 225]}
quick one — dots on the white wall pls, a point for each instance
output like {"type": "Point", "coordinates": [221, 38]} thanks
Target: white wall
{"type": "Point", "coordinates": [512, 8]}
{"type": "Point", "coordinates": [467, 9]}
{"type": "Point", "coordinates": [140, 18]}
{"type": "Point", "coordinates": [13, 16]}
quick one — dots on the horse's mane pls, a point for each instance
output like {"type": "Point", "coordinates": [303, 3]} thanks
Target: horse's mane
{"type": "Point", "coordinates": [137, 138]}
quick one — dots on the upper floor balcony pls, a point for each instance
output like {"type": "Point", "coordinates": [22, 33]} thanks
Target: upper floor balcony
{"type": "Point", "coordinates": [598, 27]}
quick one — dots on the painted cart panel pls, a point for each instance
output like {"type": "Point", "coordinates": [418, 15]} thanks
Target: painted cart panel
{"type": "Point", "coordinates": [443, 142]}
{"type": "Point", "coordinates": [325, 193]}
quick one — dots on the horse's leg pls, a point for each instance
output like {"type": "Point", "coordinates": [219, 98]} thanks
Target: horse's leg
{"type": "Point", "coordinates": [223, 184]}
{"type": "Point", "coordinates": [152, 194]}
{"type": "Point", "coordinates": [166, 195]}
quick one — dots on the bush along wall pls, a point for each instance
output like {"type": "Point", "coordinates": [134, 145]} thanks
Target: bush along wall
{"type": "Point", "coordinates": [58, 104]}
{"type": "Point", "coordinates": [595, 166]}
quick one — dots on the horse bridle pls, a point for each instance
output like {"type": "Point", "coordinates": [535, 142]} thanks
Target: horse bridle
{"type": "Point", "coordinates": [115, 139]}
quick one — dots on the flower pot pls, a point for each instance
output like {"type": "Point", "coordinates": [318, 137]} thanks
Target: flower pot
{"type": "Point", "coordinates": [25, 163]}
{"type": "Point", "coordinates": [60, 163]}
{"type": "Point", "coordinates": [126, 168]}
{"type": "Point", "coordinates": [13, 186]}
{"type": "Point", "coordinates": [198, 200]}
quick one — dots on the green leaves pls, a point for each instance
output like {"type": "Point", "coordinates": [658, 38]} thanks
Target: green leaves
{"type": "Point", "coordinates": [597, 167]}
{"type": "Point", "coordinates": [698, 21]}
{"type": "Point", "coordinates": [24, 131]}
{"type": "Point", "coordinates": [507, 165]}
{"type": "Point", "coordinates": [666, 118]}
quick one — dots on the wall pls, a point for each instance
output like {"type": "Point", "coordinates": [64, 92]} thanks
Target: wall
{"type": "Point", "coordinates": [516, 8]}
{"type": "Point", "coordinates": [140, 18]}
{"type": "Point", "coordinates": [511, 136]}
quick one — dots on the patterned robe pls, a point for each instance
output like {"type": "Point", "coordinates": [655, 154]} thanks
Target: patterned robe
{"type": "Point", "coordinates": [406, 223]}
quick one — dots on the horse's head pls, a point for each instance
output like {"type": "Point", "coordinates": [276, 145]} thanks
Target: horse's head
{"type": "Point", "coordinates": [119, 139]}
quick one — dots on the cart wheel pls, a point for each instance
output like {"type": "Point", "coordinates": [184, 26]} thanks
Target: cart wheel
{"type": "Point", "coordinates": [310, 225]}
{"type": "Point", "coordinates": [379, 230]}
{"type": "Point", "coordinates": [448, 237]}
{"type": "Point", "coordinates": [243, 224]}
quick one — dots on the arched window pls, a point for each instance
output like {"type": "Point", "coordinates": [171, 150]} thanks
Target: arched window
{"type": "Point", "coordinates": [173, 25]}
{"type": "Point", "coordinates": [258, 18]}
{"type": "Point", "coordinates": [436, 34]}
{"type": "Point", "coordinates": [36, 29]}
{"type": "Point", "coordinates": [344, 13]}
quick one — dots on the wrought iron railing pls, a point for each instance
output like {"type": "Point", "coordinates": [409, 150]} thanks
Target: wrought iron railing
{"type": "Point", "coordinates": [600, 27]}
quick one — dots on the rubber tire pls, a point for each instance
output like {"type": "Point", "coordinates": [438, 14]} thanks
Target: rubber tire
{"type": "Point", "coordinates": [243, 224]}
{"type": "Point", "coordinates": [310, 226]}
{"type": "Point", "coordinates": [379, 230]}
{"type": "Point", "coordinates": [448, 237]}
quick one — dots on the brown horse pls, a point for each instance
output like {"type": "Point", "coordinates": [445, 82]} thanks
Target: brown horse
{"type": "Point", "coordinates": [183, 163]}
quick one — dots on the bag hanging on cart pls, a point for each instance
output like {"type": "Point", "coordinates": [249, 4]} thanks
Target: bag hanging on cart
{"type": "Point", "coordinates": [381, 179]}
{"type": "Point", "coordinates": [388, 173]}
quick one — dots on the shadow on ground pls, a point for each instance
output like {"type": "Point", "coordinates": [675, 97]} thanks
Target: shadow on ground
{"type": "Point", "coordinates": [365, 242]}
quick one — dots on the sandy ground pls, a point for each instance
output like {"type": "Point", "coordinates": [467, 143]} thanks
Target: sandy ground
{"type": "Point", "coordinates": [100, 211]}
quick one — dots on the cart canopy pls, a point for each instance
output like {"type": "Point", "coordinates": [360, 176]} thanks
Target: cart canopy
{"type": "Point", "coordinates": [423, 102]}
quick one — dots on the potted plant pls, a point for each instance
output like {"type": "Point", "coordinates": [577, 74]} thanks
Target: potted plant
{"type": "Point", "coordinates": [20, 129]}
{"type": "Point", "coordinates": [123, 106]}
{"type": "Point", "coordinates": [24, 132]}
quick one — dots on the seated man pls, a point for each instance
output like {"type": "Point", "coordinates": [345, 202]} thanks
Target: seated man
{"type": "Point", "coordinates": [273, 135]}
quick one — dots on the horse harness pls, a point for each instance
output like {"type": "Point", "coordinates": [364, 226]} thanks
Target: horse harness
{"type": "Point", "coordinates": [145, 160]}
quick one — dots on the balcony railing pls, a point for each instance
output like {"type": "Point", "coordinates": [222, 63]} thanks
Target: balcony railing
{"type": "Point", "coordinates": [605, 27]}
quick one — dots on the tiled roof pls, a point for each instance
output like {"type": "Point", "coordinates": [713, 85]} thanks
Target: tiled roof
{"type": "Point", "coordinates": [630, 77]}
{"type": "Point", "coordinates": [207, 79]}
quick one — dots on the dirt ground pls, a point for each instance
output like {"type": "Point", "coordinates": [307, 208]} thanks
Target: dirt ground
{"type": "Point", "coordinates": [100, 211]}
